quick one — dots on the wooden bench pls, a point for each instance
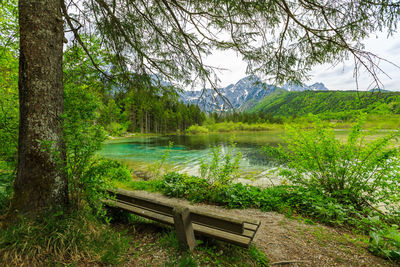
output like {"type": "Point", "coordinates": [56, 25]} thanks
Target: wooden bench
{"type": "Point", "coordinates": [188, 221]}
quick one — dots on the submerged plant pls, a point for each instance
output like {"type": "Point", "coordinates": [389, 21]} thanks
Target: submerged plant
{"type": "Point", "coordinates": [220, 166]}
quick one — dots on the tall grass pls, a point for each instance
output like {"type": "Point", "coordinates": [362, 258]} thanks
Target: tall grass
{"type": "Point", "coordinates": [61, 239]}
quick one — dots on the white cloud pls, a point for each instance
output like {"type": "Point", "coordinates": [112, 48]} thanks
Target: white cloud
{"type": "Point", "coordinates": [339, 77]}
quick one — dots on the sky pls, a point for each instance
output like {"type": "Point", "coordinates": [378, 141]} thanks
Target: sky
{"type": "Point", "coordinates": [339, 77]}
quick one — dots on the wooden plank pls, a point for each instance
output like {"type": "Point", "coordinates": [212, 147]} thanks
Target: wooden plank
{"type": "Point", "coordinates": [250, 226]}
{"type": "Point", "coordinates": [203, 224]}
{"type": "Point", "coordinates": [217, 221]}
{"type": "Point", "coordinates": [145, 203]}
{"type": "Point", "coordinates": [142, 212]}
{"type": "Point", "coordinates": [236, 239]}
{"type": "Point", "coordinates": [250, 221]}
{"type": "Point", "coordinates": [199, 216]}
{"type": "Point", "coordinates": [249, 233]}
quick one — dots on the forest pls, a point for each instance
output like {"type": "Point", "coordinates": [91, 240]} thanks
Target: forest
{"type": "Point", "coordinates": [89, 105]}
{"type": "Point", "coordinates": [339, 105]}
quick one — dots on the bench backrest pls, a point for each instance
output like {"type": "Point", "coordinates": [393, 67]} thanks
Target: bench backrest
{"type": "Point", "coordinates": [198, 215]}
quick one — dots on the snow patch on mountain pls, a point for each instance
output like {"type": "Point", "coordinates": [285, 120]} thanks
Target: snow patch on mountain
{"type": "Point", "coordinates": [249, 88]}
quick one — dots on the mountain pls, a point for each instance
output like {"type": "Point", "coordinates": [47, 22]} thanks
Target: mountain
{"type": "Point", "coordinates": [292, 87]}
{"type": "Point", "coordinates": [247, 89]}
{"type": "Point", "coordinates": [243, 95]}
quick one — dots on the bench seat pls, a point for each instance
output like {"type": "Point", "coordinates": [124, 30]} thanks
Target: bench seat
{"type": "Point", "coordinates": [238, 231]}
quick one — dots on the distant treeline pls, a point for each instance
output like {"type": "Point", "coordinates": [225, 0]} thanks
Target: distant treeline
{"type": "Point", "coordinates": [136, 111]}
{"type": "Point", "coordinates": [341, 105]}
{"type": "Point", "coordinates": [246, 117]}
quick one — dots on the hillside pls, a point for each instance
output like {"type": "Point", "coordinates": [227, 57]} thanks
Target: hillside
{"type": "Point", "coordinates": [243, 95]}
{"type": "Point", "coordinates": [338, 104]}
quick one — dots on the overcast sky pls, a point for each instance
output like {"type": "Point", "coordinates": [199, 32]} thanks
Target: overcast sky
{"type": "Point", "coordinates": [339, 77]}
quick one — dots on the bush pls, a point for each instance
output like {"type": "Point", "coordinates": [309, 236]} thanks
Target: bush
{"type": "Point", "coordinates": [89, 176]}
{"type": "Point", "coordinates": [285, 198]}
{"type": "Point", "coordinates": [94, 181]}
{"type": "Point", "coordinates": [184, 186]}
{"type": "Point", "coordinates": [116, 129]}
{"type": "Point", "coordinates": [386, 243]}
{"type": "Point", "coordinates": [344, 183]}
{"type": "Point", "coordinates": [356, 172]}
{"type": "Point", "coordinates": [196, 129]}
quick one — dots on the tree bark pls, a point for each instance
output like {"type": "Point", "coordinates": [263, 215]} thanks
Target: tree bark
{"type": "Point", "coordinates": [41, 182]}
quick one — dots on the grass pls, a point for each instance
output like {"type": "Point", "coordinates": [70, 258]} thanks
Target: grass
{"type": "Point", "coordinates": [62, 239]}
{"type": "Point", "coordinates": [159, 246]}
{"type": "Point", "coordinates": [211, 253]}
{"type": "Point", "coordinates": [149, 185]}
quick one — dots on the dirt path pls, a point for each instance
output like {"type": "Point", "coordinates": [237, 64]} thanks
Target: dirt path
{"type": "Point", "coordinates": [291, 242]}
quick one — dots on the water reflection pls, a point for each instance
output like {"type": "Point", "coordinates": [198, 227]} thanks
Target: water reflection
{"type": "Point", "coordinates": [186, 152]}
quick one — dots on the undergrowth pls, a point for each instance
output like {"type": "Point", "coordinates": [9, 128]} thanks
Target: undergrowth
{"type": "Point", "coordinates": [62, 239]}
{"type": "Point", "coordinates": [210, 252]}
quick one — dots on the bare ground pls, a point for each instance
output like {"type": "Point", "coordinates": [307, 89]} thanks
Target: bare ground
{"type": "Point", "coordinates": [285, 242]}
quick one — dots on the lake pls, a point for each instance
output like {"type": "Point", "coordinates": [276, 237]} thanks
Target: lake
{"type": "Point", "coordinates": [142, 152]}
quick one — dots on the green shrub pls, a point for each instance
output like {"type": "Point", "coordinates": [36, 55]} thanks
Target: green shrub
{"type": "Point", "coordinates": [285, 199]}
{"type": "Point", "coordinates": [386, 242]}
{"type": "Point", "coordinates": [184, 186]}
{"type": "Point", "coordinates": [94, 181]}
{"type": "Point", "coordinates": [116, 129]}
{"type": "Point", "coordinates": [345, 183]}
{"type": "Point", "coordinates": [196, 129]}
{"type": "Point", "coordinates": [357, 172]}
{"type": "Point", "coordinates": [89, 176]}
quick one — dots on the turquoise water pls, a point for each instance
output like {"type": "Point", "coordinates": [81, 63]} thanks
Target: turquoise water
{"type": "Point", "coordinates": [141, 153]}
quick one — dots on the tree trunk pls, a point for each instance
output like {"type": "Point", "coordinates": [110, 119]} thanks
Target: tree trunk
{"type": "Point", "coordinates": [41, 181]}
{"type": "Point", "coordinates": [146, 122]}
{"type": "Point", "coordinates": [133, 119]}
{"type": "Point", "coordinates": [141, 122]}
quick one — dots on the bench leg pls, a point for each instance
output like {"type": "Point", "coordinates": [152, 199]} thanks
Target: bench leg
{"type": "Point", "coordinates": [184, 228]}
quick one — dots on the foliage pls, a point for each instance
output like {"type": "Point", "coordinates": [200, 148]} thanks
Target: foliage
{"type": "Point", "coordinates": [151, 185]}
{"type": "Point", "coordinates": [357, 172]}
{"type": "Point", "coordinates": [157, 38]}
{"type": "Point", "coordinates": [9, 32]}
{"type": "Point", "coordinates": [222, 127]}
{"type": "Point", "coordinates": [6, 189]}
{"type": "Point", "coordinates": [116, 129]}
{"type": "Point", "coordinates": [197, 129]}
{"type": "Point", "coordinates": [220, 167]}
{"type": "Point", "coordinates": [8, 107]}
{"type": "Point", "coordinates": [146, 109]}
{"type": "Point", "coordinates": [285, 198]}
{"type": "Point", "coordinates": [330, 105]}
{"type": "Point", "coordinates": [61, 238]}
{"type": "Point", "coordinates": [246, 118]}
{"type": "Point", "coordinates": [386, 242]}
{"type": "Point", "coordinates": [184, 186]}
{"type": "Point", "coordinates": [89, 176]}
